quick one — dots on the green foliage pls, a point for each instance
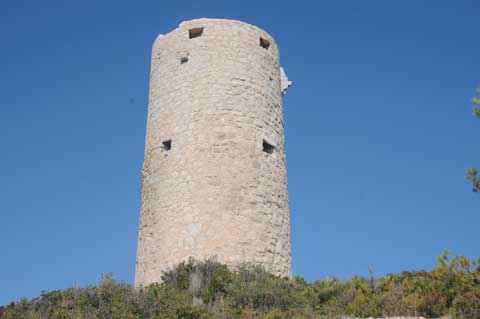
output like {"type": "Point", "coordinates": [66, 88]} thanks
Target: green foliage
{"type": "Point", "coordinates": [472, 175]}
{"type": "Point", "coordinates": [252, 287]}
{"type": "Point", "coordinates": [476, 103]}
{"type": "Point", "coordinates": [209, 290]}
{"type": "Point", "coordinates": [466, 305]}
{"type": "Point", "coordinates": [366, 305]}
{"type": "Point", "coordinates": [472, 172]}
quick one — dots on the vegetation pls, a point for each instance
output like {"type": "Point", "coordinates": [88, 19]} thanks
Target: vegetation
{"type": "Point", "coordinates": [472, 172]}
{"type": "Point", "coordinates": [203, 290]}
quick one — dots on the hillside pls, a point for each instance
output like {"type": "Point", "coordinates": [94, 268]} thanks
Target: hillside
{"type": "Point", "coordinates": [209, 289]}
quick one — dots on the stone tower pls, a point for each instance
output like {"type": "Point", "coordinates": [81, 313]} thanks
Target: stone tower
{"type": "Point", "coordinates": [214, 179]}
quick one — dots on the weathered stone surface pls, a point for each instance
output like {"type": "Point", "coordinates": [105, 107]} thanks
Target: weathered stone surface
{"type": "Point", "coordinates": [208, 186]}
{"type": "Point", "coordinates": [284, 82]}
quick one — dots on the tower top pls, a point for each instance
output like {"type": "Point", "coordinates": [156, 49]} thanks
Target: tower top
{"type": "Point", "coordinates": [189, 23]}
{"type": "Point", "coordinates": [209, 26]}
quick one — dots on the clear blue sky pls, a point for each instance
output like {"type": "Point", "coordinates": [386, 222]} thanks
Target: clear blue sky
{"type": "Point", "coordinates": [378, 130]}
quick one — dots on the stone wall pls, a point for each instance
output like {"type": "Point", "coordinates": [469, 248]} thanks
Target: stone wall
{"type": "Point", "coordinates": [214, 179]}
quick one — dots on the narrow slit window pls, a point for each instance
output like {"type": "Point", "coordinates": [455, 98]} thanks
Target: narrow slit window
{"type": "Point", "coordinates": [195, 33]}
{"type": "Point", "coordinates": [264, 43]}
{"type": "Point", "coordinates": [267, 147]}
{"type": "Point", "coordinates": [167, 145]}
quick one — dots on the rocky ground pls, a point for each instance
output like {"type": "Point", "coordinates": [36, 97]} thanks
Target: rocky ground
{"type": "Point", "coordinates": [392, 318]}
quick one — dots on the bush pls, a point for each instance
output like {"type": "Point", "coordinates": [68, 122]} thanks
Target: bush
{"type": "Point", "coordinates": [209, 290]}
{"type": "Point", "coordinates": [466, 305]}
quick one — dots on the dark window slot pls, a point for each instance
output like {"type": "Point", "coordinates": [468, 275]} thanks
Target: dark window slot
{"type": "Point", "coordinates": [264, 43]}
{"type": "Point", "coordinates": [267, 147]}
{"type": "Point", "coordinates": [195, 33]}
{"type": "Point", "coordinates": [167, 145]}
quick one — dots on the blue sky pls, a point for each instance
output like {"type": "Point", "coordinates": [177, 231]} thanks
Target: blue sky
{"type": "Point", "coordinates": [378, 130]}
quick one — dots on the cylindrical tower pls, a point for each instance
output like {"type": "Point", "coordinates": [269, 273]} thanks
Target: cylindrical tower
{"type": "Point", "coordinates": [214, 179]}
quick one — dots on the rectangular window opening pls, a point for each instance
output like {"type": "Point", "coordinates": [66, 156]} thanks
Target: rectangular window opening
{"type": "Point", "coordinates": [264, 43]}
{"type": "Point", "coordinates": [267, 147]}
{"type": "Point", "coordinates": [167, 145]}
{"type": "Point", "coordinates": [183, 60]}
{"type": "Point", "coordinates": [195, 33]}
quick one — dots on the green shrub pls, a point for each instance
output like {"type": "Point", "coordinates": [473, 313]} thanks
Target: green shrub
{"type": "Point", "coordinates": [253, 287]}
{"type": "Point", "coordinates": [466, 305]}
{"type": "Point", "coordinates": [209, 290]}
